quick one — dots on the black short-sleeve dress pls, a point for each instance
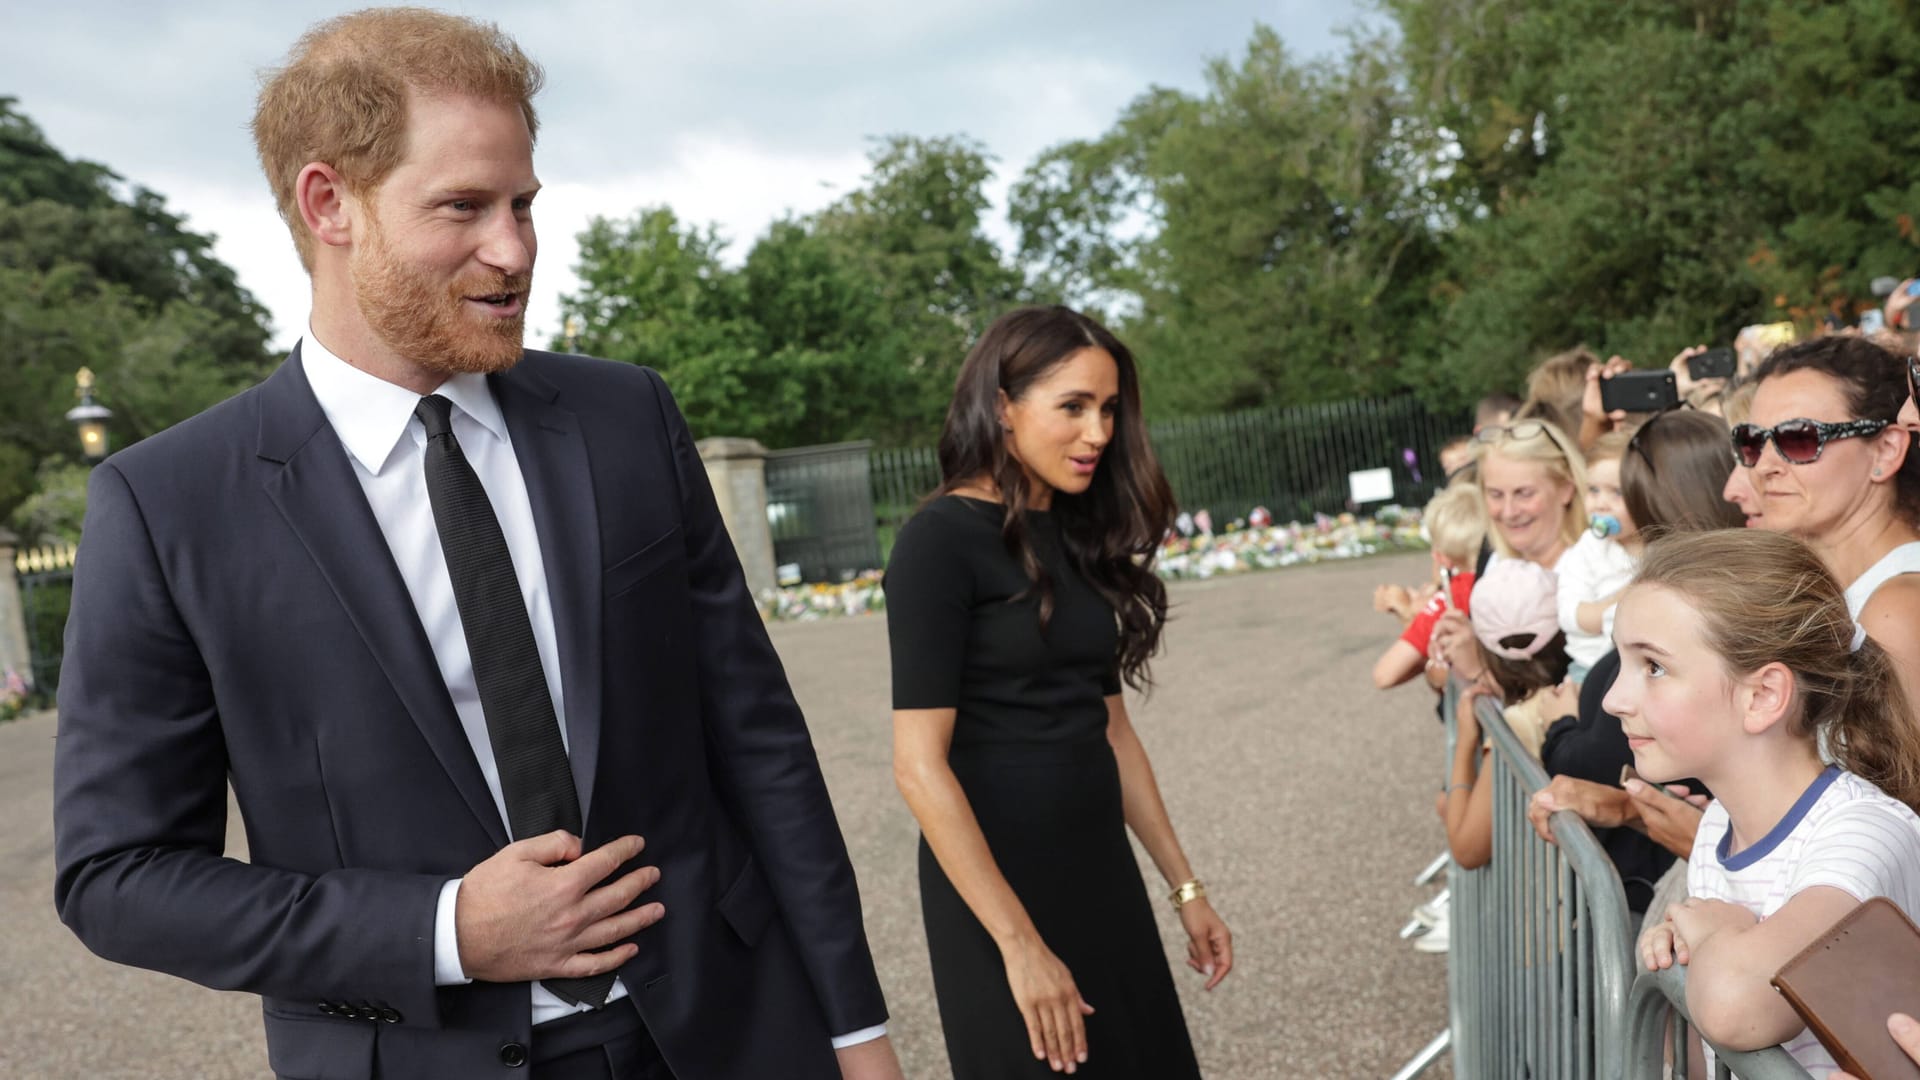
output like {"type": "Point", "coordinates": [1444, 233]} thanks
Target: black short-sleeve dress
{"type": "Point", "coordinates": [1030, 750]}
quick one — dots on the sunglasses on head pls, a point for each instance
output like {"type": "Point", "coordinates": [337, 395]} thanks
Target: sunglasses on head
{"type": "Point", "coordinates": [1799, 440]}
{"type": "Point", "coordinates": [1913, 378]}
{"type": "Point", "coordinates": [1525, 429]}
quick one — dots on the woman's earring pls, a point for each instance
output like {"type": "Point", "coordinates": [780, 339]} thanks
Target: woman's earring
{"type": "Point", "coordinates": [1876, 472]}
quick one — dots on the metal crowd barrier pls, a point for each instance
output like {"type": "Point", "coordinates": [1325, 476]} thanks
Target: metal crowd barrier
{"type": "Point", "coordinates": [1541, 970]}
{"type": "Point", "coordinates": [1540, 960]}
{"type": "Point", "coordinates": [1661, 996]}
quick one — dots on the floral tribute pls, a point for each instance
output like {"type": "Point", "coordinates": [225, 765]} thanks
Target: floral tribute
{"type": "Point", "coordinates": [13, 694]}
{"type": "Point", "coordinates": [1191, 551]}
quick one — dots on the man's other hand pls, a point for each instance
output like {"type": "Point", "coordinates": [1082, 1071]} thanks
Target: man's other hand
{"type": "Point", "coordinates": [870, 1060]}
{"type": "Point", "coordinates": [537, 909]}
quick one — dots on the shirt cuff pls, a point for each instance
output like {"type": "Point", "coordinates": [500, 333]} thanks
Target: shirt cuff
{"type": "Point", "coordinates": [446, 939]}
{"type": "Point", "coordinates": [855, 1038]}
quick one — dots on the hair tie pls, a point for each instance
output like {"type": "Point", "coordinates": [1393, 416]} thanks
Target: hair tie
{"type": "Point", "coordinates": [1859, 638]}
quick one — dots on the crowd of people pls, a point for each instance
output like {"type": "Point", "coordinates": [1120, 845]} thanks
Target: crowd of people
{"type": "Point", "coordinates": [459, 626]}
{"type": "Point", "coordinates": [1704, 621]}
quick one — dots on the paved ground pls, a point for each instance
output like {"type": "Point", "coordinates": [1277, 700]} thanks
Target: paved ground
{"type": "Point", "coordinates": [1302, 795]}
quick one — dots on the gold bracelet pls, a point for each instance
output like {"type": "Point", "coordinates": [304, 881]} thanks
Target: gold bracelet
{"type": "Point", "coordinates": [1187, 893]}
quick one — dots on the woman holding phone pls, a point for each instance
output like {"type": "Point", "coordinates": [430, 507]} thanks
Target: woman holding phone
{"type": "Point", "coordinates": [1019, 598]}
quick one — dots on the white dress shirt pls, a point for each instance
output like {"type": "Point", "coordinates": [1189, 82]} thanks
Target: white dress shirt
{"type": "Point", "coordinates": [387, 445]}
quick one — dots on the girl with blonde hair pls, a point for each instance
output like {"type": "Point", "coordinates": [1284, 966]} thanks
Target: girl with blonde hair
{"type": "Point", "coordinates": [1739, 656]}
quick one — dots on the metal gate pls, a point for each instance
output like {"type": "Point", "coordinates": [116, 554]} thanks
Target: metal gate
{"type": "Point", "coordinates": [46, 591]}
{"type": "Point", "coordinates": [820, 511]}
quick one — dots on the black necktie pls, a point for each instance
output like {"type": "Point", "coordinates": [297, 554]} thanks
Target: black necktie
{"type": "Point", "coordinates": [534, 776]}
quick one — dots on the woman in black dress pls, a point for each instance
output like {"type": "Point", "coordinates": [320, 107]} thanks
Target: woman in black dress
{"type": "Point", "coordinates": [1018, 599]}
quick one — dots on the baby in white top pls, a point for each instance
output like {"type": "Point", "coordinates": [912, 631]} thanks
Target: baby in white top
{"type": "Point", "coordinates": [1597, 568]}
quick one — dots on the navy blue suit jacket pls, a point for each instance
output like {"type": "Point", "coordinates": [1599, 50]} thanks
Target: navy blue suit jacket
{"type": "Point", "coordinates": [237, 617]}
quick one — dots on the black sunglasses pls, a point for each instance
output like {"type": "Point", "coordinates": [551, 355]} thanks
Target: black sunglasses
{"type": "Point", "coordinates": [1799, 440]}
{"type": "Point", "coordinates": [1913, 378]}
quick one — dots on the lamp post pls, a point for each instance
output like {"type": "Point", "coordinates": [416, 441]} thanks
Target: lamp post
{"type": "Point", "coordinates": [90, 417]}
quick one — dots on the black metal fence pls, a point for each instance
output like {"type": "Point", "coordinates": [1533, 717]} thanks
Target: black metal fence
{"type": "Point", "coordinates": [1293, 461]}
{"type": "Point", "coordinates": [820, 510]}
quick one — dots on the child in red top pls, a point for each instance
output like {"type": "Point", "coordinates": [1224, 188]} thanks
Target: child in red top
{"type": "Point", "coordinates": [1455, 522]}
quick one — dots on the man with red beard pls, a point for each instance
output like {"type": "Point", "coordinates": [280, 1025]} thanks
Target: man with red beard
{"type": "Point", "coordinates": [523, 782]}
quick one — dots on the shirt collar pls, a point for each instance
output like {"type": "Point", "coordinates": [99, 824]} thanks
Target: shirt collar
{"type": "Point", "coordinates": [371, 414]}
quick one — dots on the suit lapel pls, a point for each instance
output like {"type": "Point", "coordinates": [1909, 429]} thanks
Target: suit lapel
{"type": "Point", "coordinates": [552, 452]}
{"type": "Point", "coordinates": [316, 491]}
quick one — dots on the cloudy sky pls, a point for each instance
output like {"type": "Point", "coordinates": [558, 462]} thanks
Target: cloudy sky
{"type": "Point", "coordinates": [730, 112]}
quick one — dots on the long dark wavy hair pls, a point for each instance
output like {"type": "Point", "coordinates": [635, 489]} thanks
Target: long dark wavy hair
{"type": "Point", "coordinates": [1111, 530]}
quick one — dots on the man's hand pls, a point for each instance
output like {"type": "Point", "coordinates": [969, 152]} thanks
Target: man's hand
{"type": "Point", "coordinates": [537, 910]}
{"type": "Point", "coordinates": [870, 1060]}
{"type": "Point", "coordinates": [1671, 816]}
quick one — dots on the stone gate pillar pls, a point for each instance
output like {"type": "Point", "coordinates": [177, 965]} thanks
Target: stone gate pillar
{"type": "Point", "coordinates": [14, 655]}
{"type": "Point", "coordinates": [737, 469]}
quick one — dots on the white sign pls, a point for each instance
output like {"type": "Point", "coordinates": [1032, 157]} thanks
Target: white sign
{"type": "Point", "coordinates": [1370, 485]}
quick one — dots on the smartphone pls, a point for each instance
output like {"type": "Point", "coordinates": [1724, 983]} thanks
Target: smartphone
{"type": "Point", "coordinates": [1715, 363]}
{"type": "Point", "coordinates": [1640, 391]}
{"type": "Point", "coordinates": [1872, 321]}
{"type": "Point", "coordinates": [1846, 982]}
{"type": "Point", "coordinates": [1627, 773]}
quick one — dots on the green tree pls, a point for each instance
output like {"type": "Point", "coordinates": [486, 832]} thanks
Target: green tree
{"type": "Point", "coordinates": [1262, 243]}
{"type": "Point", "coordinates": [88, 278]}
{"type": "Point", "coordinates": [849, 324]}
{"type": "Point", "coordinates": [1643, 175]}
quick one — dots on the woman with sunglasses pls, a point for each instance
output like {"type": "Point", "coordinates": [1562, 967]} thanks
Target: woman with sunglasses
{"type": "Point", "coordinates": [1828, 463]}
{"type": "Point", "coordinates": [1532, 481]}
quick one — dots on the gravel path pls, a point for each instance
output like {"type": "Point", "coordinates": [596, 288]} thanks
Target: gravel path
{"type": "Point", "coordinates": [1302, 796]}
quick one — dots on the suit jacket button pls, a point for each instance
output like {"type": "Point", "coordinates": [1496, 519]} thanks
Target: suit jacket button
{"type": "Point", "coordinates": [513, 1055]}
{"type": "Point", "coordinates": [391, 1016]}
{"type": "Point", "coordinates": [327, 1009]}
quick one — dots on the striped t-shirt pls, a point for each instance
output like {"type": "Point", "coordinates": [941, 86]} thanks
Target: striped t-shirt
{"type": "Point", "coordinates": [1842, 832]}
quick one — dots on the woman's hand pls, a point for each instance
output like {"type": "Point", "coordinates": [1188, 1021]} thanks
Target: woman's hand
{"type": "Point", "coordinates": [1209, 942]}
{"type": "Point", "coordinates": [1661, 945]}
{"type": "Point", "coordinates": [1597, 804]}
{"type": "Point", "coordinates": [1453, 642]}
{"type": "Point", "coordinates": [1593, 411]}
{"type": "Point", "coordinates": [1466, 725]}
{"type": "Point", "coordinates": [1050, 1004]}
{"type": "Point", "coordinates": [1670, 816]}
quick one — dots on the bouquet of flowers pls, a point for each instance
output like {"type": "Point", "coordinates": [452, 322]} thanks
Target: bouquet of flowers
{"type": "Point", "coordinates": [1258, 544]}
{"type": "Point", "coordinates": [13, 695]}
{"type": "Point", "coordinates": [805, 603]}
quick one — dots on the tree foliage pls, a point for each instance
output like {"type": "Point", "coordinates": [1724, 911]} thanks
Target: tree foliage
{"type": "Point", "coordinates": [92, 278]}
{"type": "Point", "coordinates": [847, 324]}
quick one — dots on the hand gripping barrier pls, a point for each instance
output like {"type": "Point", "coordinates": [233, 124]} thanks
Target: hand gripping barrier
{"type": "Point", "coordinates": [1662, 995]}
{"type": "Point", "coordinates": [1540, 959]}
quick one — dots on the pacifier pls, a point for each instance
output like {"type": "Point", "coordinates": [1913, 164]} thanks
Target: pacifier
{"type": "Point", "coordinates": [1605, 525]}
